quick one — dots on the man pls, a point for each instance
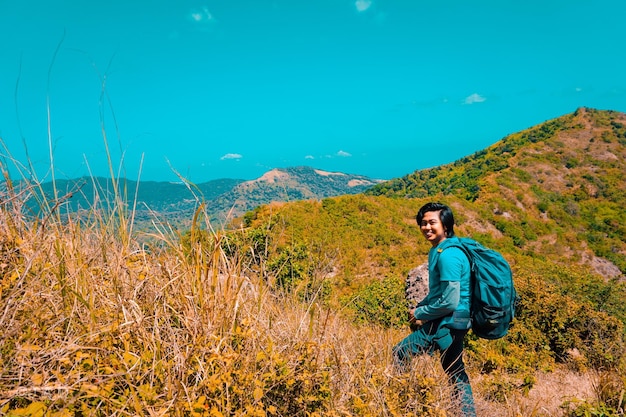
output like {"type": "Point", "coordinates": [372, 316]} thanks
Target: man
{"type": "Point", "coordinates": [442, 319]}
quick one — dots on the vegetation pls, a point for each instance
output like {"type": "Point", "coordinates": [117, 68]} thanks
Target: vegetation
{"type": "Point", "coordinates": [555, 186]}
{"type": "Point", "coordinates": [293, 311]}
{"type": "Point", "coordinates": [98, 324]}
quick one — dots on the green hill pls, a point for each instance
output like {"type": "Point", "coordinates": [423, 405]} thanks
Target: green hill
{"type": "Point", "coordinates": [550, 198]}
{"type": "Point", "coordinates": [554, 189]}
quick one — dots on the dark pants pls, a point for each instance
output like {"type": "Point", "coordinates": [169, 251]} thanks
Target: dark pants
{"type": "Point", "coordinates": [426, 340]}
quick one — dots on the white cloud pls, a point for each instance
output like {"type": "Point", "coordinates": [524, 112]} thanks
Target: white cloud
{"type": "Point", "coordinates": [474, 98]}
{"type": "Point", "coordinates": [202, 15]}
{"type": "Point", "coordinates": [231, 156]}
{"type": "Point", "coordinates": [343, 153]}
{"type": "Point", "coordinates": [309, 157]}
{"type": "Point", "coordinates": [363, 5]}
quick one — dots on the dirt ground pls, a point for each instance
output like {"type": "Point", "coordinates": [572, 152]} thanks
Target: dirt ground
{"type": "Point", "coordinates": [548, 394]}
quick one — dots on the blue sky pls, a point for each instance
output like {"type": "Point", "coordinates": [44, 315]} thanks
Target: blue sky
{"type": "Point", "coordinates": [234, 88]}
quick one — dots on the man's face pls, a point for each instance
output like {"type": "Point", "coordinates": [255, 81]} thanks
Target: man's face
{"type": "Point", "coordinates": [432, 228]}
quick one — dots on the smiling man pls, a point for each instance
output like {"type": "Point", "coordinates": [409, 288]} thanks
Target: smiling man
{"type": "Point", "coordinates": [442, 319]}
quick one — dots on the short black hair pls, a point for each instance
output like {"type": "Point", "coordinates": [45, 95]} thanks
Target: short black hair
{"type": "Point", "coordinates": [445, 215]}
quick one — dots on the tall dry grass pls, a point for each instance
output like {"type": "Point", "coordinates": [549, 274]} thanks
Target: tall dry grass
{"type": "Point", "coordinates": [94, 321]}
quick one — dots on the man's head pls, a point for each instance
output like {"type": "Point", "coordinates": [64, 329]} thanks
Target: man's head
{"type": "Point", "coordinates": [445, 216]}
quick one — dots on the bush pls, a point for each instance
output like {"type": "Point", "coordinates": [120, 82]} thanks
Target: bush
{"type": "Point", "coordinates": [381, 302]}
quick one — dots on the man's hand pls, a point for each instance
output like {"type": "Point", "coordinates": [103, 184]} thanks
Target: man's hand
{"type": "Point", "coordinates": [413, 321]}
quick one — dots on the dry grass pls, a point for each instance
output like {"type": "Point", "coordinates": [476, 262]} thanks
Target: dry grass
{"type": "Point", "coordinates": [549, 393]}
{"type": "Point", "coordinates": [95, 322]}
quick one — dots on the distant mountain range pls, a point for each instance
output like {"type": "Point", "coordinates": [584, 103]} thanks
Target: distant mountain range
{"type": "Point", "coordinates": [224, 199]}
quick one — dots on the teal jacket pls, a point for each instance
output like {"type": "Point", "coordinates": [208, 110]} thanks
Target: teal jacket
{"type": "Point", "coordinates": [449, 293]}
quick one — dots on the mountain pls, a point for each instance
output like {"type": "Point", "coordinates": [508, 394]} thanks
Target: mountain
{"type": "Point", "coordinates": [224, 198]}
{"type": "Point", "coordinates": [81, 193]}
{"type": "Point", "coordinates": [555, 188]}
{"type": "Point", "coordinates": [561, 155]}
{"type": "Point", "coordinates": [174, 201]}
{"type": "Point", "coordinates": [288, 184]}
{"type": "Point", "coordinates": [555, 192]}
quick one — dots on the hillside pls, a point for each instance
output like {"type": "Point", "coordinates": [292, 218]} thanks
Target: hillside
{"type": "Point", "coordinates": [555, 189]}
{"type": "Point", "coordinates": [550, 198]}
{"type": "Point", "coordinates": [288, 184]}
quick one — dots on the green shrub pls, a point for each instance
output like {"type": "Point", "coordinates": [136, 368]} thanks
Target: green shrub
{"type": "Point", "coordinates": [380, 302]}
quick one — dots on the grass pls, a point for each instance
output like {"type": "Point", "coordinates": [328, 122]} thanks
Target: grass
{"type": "Point", "coordinates": [96, 322]}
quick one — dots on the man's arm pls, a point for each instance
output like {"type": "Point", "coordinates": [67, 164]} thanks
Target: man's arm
{"type": "Point", "coordinates": [451, 264]}
{"type": "Point", "coordinates": [443, 306]}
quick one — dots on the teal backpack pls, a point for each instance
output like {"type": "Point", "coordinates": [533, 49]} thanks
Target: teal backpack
{"type": "Point", "coordinates": [494, 297]}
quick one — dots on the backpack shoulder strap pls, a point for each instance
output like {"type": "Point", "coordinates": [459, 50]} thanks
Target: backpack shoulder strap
{"type": "Point", "coordinates": [463, 244]}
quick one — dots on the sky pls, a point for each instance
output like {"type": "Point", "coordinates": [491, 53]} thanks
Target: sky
{"type": "Point", "coordinates": [156, 90]}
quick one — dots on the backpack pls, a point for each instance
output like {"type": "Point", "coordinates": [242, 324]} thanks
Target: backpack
{"type": "Point", "coordinates": [494, 297]}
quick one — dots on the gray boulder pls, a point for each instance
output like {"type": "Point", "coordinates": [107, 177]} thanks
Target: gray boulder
{"type": "Point", "coordinates": [416, 285]}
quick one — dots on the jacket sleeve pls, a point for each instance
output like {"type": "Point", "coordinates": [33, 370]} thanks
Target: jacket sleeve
{"type": "Point", "coordinates": [444, 305]}
{"type": "Point", "coordinates": [450, 266]}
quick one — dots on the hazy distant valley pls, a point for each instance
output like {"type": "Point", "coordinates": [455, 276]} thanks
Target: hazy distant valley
{"type": "Point", "coordinates": [223, 199]}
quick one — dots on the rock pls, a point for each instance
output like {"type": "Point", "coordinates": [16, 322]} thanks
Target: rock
{"type": "Point", "coordinates": [416, 285]}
